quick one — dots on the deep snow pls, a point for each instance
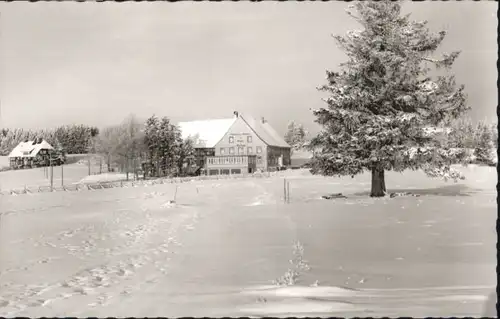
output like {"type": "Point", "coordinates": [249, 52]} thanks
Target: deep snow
{"type": "Point", "coordinates": [215, 252]}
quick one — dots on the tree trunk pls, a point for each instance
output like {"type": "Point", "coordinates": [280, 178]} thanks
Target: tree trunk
{"type": "Point", "coordinates": [157, 166]}
{"type": "Point", "coordinates": [136, 172]}
{"type": "Point", "coordinates": [127, 168]}
{"type": "Point", "coordinates": [378, 183]}
{"type": "Point", "coordinates": [89, 164]}
{"type": "Point", "coordinates": [180, 166]}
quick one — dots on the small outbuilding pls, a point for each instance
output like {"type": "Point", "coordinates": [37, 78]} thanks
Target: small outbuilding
{"type": "Point", "coordinates": [30, 154]}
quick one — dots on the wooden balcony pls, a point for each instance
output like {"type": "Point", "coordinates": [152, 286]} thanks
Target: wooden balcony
{"type": "Point", "coordinates": [231, 164]}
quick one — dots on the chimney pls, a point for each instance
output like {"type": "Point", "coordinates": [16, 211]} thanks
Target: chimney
{"type": "Point", "coordinates": [235, 113]}
{"type": "Point", "coordinates": [263, 120]}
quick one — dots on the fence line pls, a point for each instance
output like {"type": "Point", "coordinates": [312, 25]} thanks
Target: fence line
{"type": "Point", "coordinates": [125, 184]}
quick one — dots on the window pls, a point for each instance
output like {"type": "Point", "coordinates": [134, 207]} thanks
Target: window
{"type": "Point", "coordinates": [249, 139]}
{"type": "Point", "coordinates": [231, 150]}
{"type": "Point", "coordinates": [231, 139]}
{"type": "Point", "coordinates": [241, 150]}
{"type": "Point", "coordinates": [259, 149]}
{"type": "Point", "coordinates": [249, 150]}
{"type": "Point", "coordinates": [222, 150]}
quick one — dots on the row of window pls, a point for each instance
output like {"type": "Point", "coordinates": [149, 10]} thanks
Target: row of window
{"type": "Point", "coordinates": [231, 160]}
{"type": "Point", "coordinates": [227, 160]}
{"type": "Point", "coordinates": [249, 139]}
{"type": "Point", "coordinates": [241, 150]}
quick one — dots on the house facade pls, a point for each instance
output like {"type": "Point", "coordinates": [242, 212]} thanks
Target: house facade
{"type": "Point", "coordinates": [30, 154]}
{"type": "Point", "coordinates": [241, 144]}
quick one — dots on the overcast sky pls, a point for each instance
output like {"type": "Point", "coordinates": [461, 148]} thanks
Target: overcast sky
{"type": "Point", "coordinates": [93, 63]}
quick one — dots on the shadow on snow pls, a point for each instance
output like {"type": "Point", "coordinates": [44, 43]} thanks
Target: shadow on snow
{"type": "Point", "coordinates": [448, 190]}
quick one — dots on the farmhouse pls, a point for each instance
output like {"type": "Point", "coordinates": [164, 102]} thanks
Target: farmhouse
{"type": "Point", "coordinates": [241, 144]}
{"type": "Point", "coordinates": [29, 154]}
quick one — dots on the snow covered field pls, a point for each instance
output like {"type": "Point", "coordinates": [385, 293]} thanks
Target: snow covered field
{"type": "Point", "coordinates": [4, 161]}
{"type": "Point", "coordinates": [35, 177]}
{"type": "Point", "coordinates": [130, 252]}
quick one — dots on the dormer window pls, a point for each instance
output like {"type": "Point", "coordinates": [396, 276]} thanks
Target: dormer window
{"type": "Point", "coordinates": [231, 139]}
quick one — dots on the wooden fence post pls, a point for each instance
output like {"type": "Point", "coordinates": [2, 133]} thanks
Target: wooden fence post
{"type": "Point", "coordinates": [284, 190]}
{"type": "Point", "coordinates": [51, 178]}
{"type": "Point", "coordinates": [175, 195]}
{"type": "Point", "coordinates": [288, 192]}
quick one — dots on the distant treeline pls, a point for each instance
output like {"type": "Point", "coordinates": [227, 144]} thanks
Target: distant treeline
{"type": "Point", "coordinates": [481, 138]}
{"type": "Point", "coordinates": [74, 139]}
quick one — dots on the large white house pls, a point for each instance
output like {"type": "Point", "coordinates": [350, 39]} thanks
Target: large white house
{"type": "Point", "coordinates": [241, 144]}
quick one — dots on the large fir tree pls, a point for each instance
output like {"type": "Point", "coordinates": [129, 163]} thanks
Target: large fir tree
{"type": "Point", "coordinates": [383, 104]}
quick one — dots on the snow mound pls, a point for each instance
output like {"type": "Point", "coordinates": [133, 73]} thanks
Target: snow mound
{"type": "Point", "coordinates": [169, 204]}
{"type": "Point", "coordinates": [301, 291]}
{"type": "Point", "coordinates": [302, 307]}
{"type": "Point", "coordinates": [298, 300]}
{"type": "Point", "coordinates": [153, 195]}
{"type": "Point", "coordinates": [106, 177]}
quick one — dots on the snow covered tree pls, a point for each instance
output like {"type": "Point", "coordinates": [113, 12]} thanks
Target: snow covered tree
{"type": "Point", "coordinates": [494, 138]}
{"type": "Point", "coordinates": [185, 153]}
{"type": "Point", "coordinates": [164, 146]}
{"type": "Point", "coordinates": [494, 134]}
{"type": "Point", "coordinates": [462, 133]}
{"type": "Point", "coordinates": [383, 107]}
{"type": "Point", "coordinates": [152, 141]}
{"type": "Point", "coordinates": [106, 144]}
{"type": "Point", "coordinates": [295, 135]}
{"type": "Point", "coordinates": [484, 144]}
{"type": "Point", "coordinates": [59, 153]}
{"type": "Point", "coordinates": [131, 143]}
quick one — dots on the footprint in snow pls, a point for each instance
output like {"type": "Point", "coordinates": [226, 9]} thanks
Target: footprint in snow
{"type": "Point", "coordinates": [40, 302]}
{"type": "Point", "coordinates": [123, 272]}
{"type": "Point", "coordinates": [4, 303]}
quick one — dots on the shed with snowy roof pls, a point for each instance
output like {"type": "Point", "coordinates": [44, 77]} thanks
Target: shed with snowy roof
{"type": "Point", "coordinates": [29, 153]}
